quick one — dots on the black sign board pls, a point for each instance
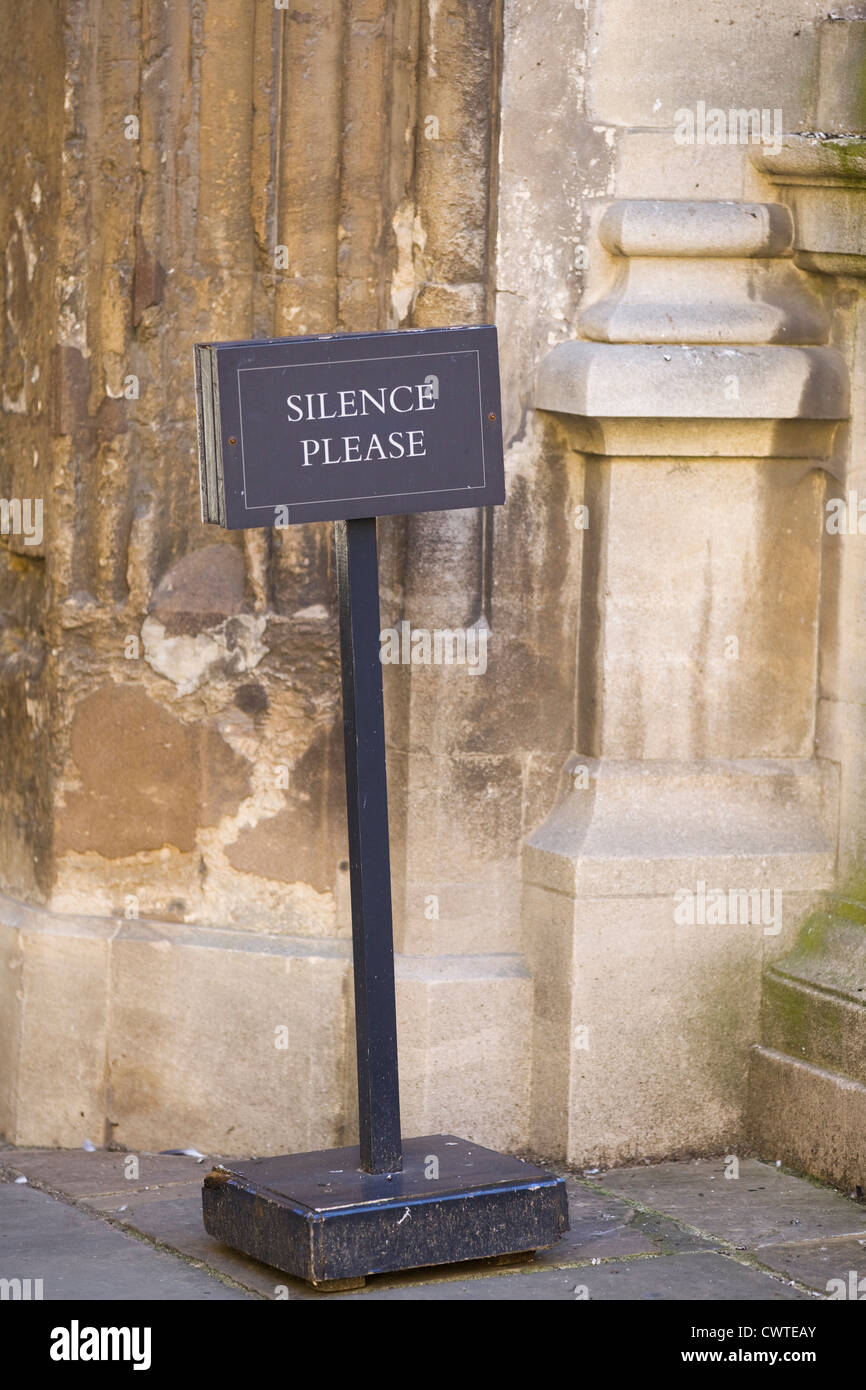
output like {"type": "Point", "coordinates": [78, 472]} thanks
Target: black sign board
{"type": "Point", "coordinates": [348, 425]}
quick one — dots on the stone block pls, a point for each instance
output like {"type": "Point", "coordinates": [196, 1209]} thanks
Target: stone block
{"type": "Point", "coordinates": [463, 1025]}
{"type": "Point", "coordinates": [813, 1120]}
{"type": "Point", "coordinates": [237, 1043]}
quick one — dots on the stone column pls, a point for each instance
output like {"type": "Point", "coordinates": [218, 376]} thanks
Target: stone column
{"type": "Point", "coordinates": [705, 401]}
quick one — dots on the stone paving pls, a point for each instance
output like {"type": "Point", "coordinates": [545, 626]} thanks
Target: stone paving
{"type": "Point", "coordinates": [92, 1227]}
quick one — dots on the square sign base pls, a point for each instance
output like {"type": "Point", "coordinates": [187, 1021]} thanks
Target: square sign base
{"type": "Point", "coordinates": [318, 1217]}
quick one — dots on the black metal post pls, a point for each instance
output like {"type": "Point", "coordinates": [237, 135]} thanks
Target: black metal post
{"type": "Point", "coordinates": [369, 855]}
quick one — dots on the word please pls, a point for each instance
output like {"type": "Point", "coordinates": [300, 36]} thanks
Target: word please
{"type": "Point", "coordinates": [348, 448]}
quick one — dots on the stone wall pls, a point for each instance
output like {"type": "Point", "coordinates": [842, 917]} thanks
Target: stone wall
{"type": "Point", "coordinates": [174, 818]}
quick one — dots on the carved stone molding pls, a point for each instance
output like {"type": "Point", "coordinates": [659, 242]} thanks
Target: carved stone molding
{"type": "Point", "coordinates": [709, 342]}
{"type": "Point", "coordinates": [703, 273]}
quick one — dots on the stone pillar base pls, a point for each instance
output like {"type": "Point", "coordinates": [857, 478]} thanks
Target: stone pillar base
{"type": "Point", "coordinates": [647, 932]}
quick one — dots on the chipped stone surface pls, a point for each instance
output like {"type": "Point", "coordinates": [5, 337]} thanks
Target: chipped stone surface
{"type": "Point", "coordinates": [232, 648]}
{"type": "Point", "coordinates": [147, 779]}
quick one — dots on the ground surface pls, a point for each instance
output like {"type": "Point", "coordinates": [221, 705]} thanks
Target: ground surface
{"type": "Point", "coordinates": [672, 1231]}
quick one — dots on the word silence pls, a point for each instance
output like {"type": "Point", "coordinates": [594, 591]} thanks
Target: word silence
{"type": "Point", "coordinates": [348, 425]}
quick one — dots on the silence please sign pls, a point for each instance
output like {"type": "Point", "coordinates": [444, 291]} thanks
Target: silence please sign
{"type": "Point", "coordinates": [348, 425]}
{"type": "Point", "coordinates": [348, 428]}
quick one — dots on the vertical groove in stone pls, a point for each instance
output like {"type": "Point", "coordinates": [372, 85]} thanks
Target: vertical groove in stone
{"type": "Point", "coordinates": [172, 90]}
{"type": "Point", "coordinates": [453, 152]}
{"type": "Point", "coordinates": [266, 98]}
{"type": "Point", "coordinates": [364, 158]}
{"type": "Point", "coordinates": [445, 552]}
{"type": "Point", "coordinates": [455, 130]}
{"type": "Point", "coordinates": [115, 195]}
{"type": "Point", "coordinates": [497, 40]}
{"type": "Point", "coordinates": [224, 223]}
{"type": "Point", "coordinates": [34, 126]}
{"type": "Point", "coordinates": [97, 252]}
{"type": "Point", "coordinates": [70, 308]}
{"type": "Point", "coordinates": [307, 214]}
{"type": "Point", "coordinates": [308, 195]}
{"type": "Point", "coordinates": [401, 168]}
{"type": "Point", "coordinates": [267, 94]}
{"type": "Point", "coordinates": [488, 517]}
{"type": "Point", "coordinates": [170, 312]}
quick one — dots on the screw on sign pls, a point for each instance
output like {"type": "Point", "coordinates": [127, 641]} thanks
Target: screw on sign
{"type": "Point", "coordinates": [345, 428]}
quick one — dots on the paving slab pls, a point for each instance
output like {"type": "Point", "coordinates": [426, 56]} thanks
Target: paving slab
{"type": "Point", "coordinates": [817, 1262]}
{"type": "Point", "coordinates": [672, 1250]}
{"type": "Point", "coordinates": [81, 1173]}
{"type": "Point", "coordinates": [79, 1257]}
{"type": "Point", "coordinates": [123, 1205]}
{"type": "Point", "coordinates": [704, 1276]}
{"type": "Point", "coordinates": [669, 1238]}
{"type": "Point", "coordinates": [164, 1203]}
{"type": "Point", "coordinates": [763, 1206]}
{"type": "Point", "coordinates": [601, 1229]}
{"type": "Point", "coordinates": [172, 1217]}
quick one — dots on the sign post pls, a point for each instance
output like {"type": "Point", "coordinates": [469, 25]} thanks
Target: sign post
{"type": "Point", "coordinates": [346, 428]}
{"type": "Point", "coordinates": [369, 857]}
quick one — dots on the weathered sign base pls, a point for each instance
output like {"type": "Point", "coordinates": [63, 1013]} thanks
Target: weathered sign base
{"type": "Point", "coordinates": [319, 1217]}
